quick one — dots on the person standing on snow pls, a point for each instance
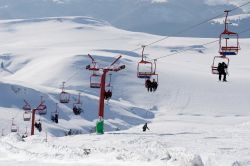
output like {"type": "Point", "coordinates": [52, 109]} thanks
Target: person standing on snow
{"type": "Point", "coordinates": [145, 127]}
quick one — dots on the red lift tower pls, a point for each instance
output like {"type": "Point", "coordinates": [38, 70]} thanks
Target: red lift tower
{"type": "Point", "coordinates": [104, 70]}
{"type": "Point", "coordinates": [40, 107]}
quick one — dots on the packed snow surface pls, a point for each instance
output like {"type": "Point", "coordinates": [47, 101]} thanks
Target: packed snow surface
{"type": "Point", "coordinates": [194, 119]}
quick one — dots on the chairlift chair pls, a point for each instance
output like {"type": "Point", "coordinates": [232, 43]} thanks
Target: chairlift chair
{"type": "Point", "coordinates": [38, 125]}
{"type": "Point", "coordinates": [42, 108]}
{"type": "Point", "coordinates": [216, 61]}
{"type": "Point", "coordinates": [109, 83]}
{"type": "Point", "coordinates": [77, 106]}
{"type": "Point", "coordinates": [145, 69]}
{"type": "Point", "coordinates": [26, 115]}
{"type": "Point", "coordinates": [14, 127]}
{"type": "Point", "coordinates": [64, 96]}
{"type": "Point", "coordinates": [154, 77]}
{"type": "Point", "coordinates": [95, 81]}
{"type": "Point", "coordinates": [229, 41]}
{"type": "Point", "coordinates": [55, 115]}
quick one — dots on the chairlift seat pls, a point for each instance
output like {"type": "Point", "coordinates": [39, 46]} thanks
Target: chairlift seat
{"type": "Point", "coordinates": [64, 97]}
{"type": "Point", "coordinates": [145, 69]}
{"type": "Point", "coordinates": [42, 109]}
{"type": "Point", "coordinates": [218, 59]}
{"type": "Point", "coordinates": [13, 128]}
{"type": "Point", "coordinates": [95, 81]}
{"type": "Point", "coordinates": [26, 116]}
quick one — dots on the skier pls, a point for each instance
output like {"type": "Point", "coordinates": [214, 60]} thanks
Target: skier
{"type": "Point", "coordinates": [25, 135]}
{"type": "Point", "coordinates": [222, 67]}
{"type": "Point", "coordinates": [55, 118]}
{"type": "Point", "coordinates": [148, 85]}
{"type": "Point", "coordinates": [145, 127]}
{"type": "Point", "coordinates": [70, 132]}
{"type": "Point", "coordinates": [38, 126]}
{"type": "Point", "coordinates": [154, 85]}
{"type": "Point", "coordinates": [109, 95]}
{"type": "Point", "coordinates": [75, 110]}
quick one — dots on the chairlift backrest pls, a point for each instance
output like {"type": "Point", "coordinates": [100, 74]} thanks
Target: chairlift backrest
{"type": "Point", "coordinates": [64, 96]}
{"type": "Point", "coordinates": [26, 116]}
{"type": "Point", "coordinates": [145, 69]}
{"type": "Point", "coordinates": [95, 81]}
{"type": "Point", "coordinates": [42, 109]}
{"type": "Point", "coordinates": [14, 127]}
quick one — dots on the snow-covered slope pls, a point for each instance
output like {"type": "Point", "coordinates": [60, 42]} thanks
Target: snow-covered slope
{"type": "Point", "coordinates": [195, 120]}
{"type": "Point", "coordinates": [45, 52]}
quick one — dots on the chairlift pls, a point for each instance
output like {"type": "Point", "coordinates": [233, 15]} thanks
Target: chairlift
{"type": "Point", "coordinates": [64, 96]}
{"type": "Point", "coordinates": [145, 69]}
{"type": "Point", "coordinates": [216, 61]}
{"type": "Point", "coordinates": [77, 106]}
{"type": "Point", "coordinates": [95, 80]}
{"type": "Point", "coordinates": [25, 134]}
{"type": "Point", "coordinates": [38, 125]}
{"type": "Point", "coordinates": [109, 83]}
{"type": "Point", "coordinates": [55, 115]}
{"type": "Point", "coordinates": [229, 41]}
{"type": "Point", "coordinates": [14, 127]}
{"type": "Point", "coordinates": [93, 66]}
{"type": "Point", "coordinates": [27, 115]}
{"type": "Point", "coordinates": [108, 88]}
{"type": "Point", "coordinates": [42, 108]}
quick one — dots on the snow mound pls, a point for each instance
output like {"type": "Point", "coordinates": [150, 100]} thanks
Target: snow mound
{"type": "Point", "coordinates": [109, 146]}
{"type": "Point", "coordinates": [181, 157]}
{"type": "Point", "coordinates": [240, 163]}
{"type": "Point", "coordinates": [12, 138]}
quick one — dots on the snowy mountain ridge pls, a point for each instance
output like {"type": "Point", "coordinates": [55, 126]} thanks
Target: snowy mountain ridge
{"type": "Point", "coordinates": [155, 17]}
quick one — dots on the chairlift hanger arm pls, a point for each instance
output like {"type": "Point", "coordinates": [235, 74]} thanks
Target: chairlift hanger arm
{"type": "Point", "coordinates": [26, 103]}
{"type": "Point", "coordinates": [116, 60]}
{"type": "Point", "coordinates": [93, 60]}
{"type": "Point", "coordinates": [117, 69]}
{"type": "Point", "coordinates": [226, 23]}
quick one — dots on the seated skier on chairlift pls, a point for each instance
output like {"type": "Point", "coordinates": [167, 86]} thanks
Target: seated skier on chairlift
{"type": "Point", "coordinates": [54, 118]}
{"type": "Point", "coordinates": [107, 95]}
{"type": "Point", "coordinates": [77, 110]}
{"type": "Point", "coordinates": [222, 70]}
{"type": "Point", "coordinates": [25, 135]}
{"type": "Point", "coordinates": [38, 125]}
{"type": "Point", "coordinates": [154, 85]}
{"type": "Point", "coordinates": [148, 85]}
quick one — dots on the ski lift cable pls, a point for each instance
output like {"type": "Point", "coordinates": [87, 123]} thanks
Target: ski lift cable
{"type": "Point", "coordinates": [180, 32]}
{"type": "Point", "coordinates": [191, 27]}
{"type": "Point", "coordinates": [205, 44]}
